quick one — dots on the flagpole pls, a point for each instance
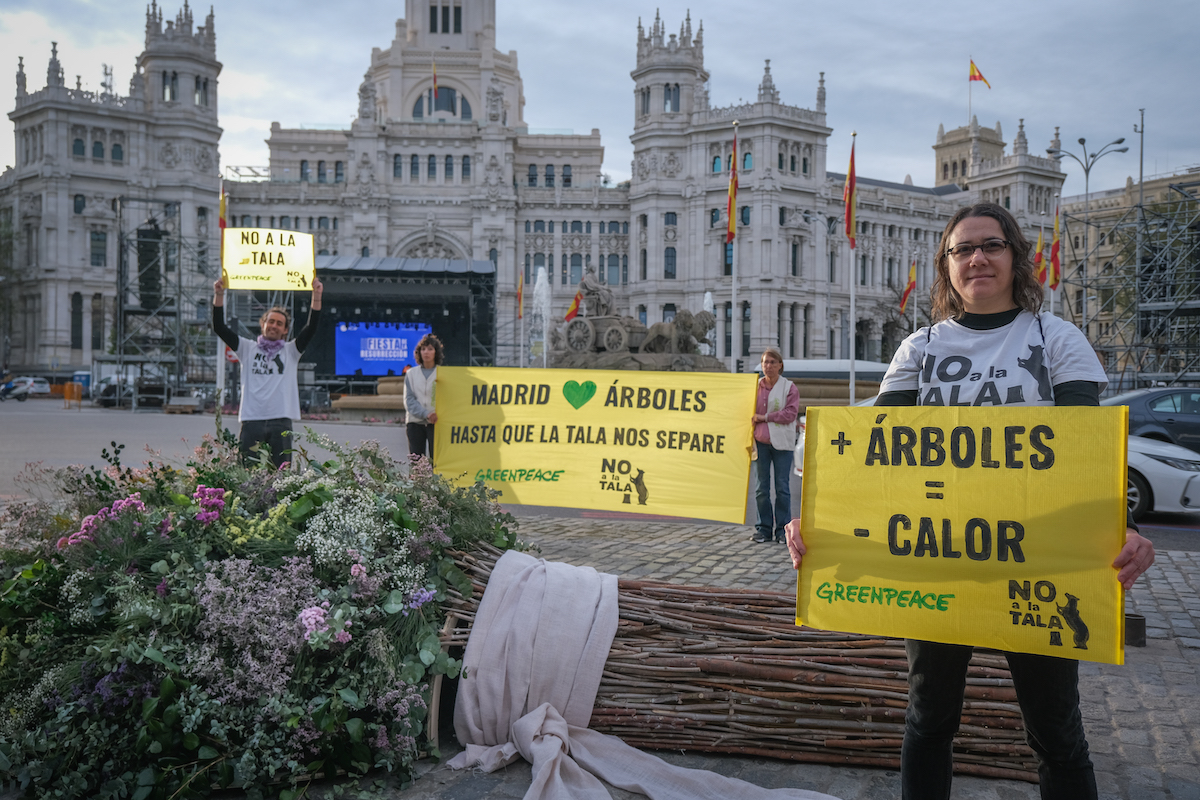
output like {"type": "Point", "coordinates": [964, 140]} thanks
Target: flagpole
{"type": "Point", "coordinates": [970, 85]}
{"type": "Point", "coordinates": [735, 317]}
{"type": "Point", "coordinates": [851, 233]}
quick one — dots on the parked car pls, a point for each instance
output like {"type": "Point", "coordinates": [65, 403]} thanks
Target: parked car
{"type": "Point", "coordinates": [37, 385]}
{"type": "Point", "coordinates": [1161, 477]}
{"type": "Point", "coordinates": [25, 386]}
{"type": "Point", "coordinates": [1168, 415]}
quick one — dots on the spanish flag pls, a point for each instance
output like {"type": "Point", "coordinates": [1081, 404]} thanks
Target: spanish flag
{"type": "Point", "coordinates": [520, 295]}
{"type": "Point", "coordinates": [1055, 266]}
{"type": "Point", "coordinates": [435, 81]}
{"type": "Point", "coordinates": [1039, 260]}
{"type": "Point", "coordinates": [221, 208]}
{"type": "Point", "coordinates": [573, 311]}
{"type": "Point", "coordinates": [733, 187]}
{"type": "Point", "coordinates": [908, 290]}
{"type": "Point", "coordinates": [850, 198]}
{"type": "Point", "coordinates": [976, 75]}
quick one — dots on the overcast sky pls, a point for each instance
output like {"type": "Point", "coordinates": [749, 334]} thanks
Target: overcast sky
{"type": "Point", "coordinates": [893, 71]}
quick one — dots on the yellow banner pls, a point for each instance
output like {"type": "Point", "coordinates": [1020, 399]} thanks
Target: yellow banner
{"type": "Point", "coordinates": [994, 527]}
{"type": "Point", "coordinates": [673, 443]}
{"type": "Point", "coordinates": [261, 258]}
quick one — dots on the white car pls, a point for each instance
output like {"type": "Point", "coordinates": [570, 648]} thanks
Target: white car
{"type": "Point", "coordinates": [1161, 477]}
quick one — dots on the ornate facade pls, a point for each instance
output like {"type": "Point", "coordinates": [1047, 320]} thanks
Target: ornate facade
{"type": "Point", "coordinates": [461, 176]}
{"type": "Point", "coordinates": [92, 163]}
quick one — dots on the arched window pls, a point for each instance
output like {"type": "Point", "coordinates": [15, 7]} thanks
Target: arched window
{"type": "Point", "coordinates": [549, 175]}
{"type": "Point", "coordinates": [670, 218]}
{"type": "Point", "coordinates": [716, 164]}
{"type": "Point", "coordinates": [99, 242]}
{"type": "Point", "coordinates": [539, 262]}
{"type": "Point", "coordinates": [587, 226]}
{"type": "Point", "coordinates": [747, 161]}
{"type": "Point", "coordinates": [539, 226]}
{"type": "Point", "coordinates": [339, 172]}
{"type": "Point", "coordinates": [397, 167]}
{"type": "Point", "coordinates": [449, 167]}
{"type": "Point", "coordinates": [781, 162]}
{"type": "Point", "coordinates": [419, 108]}
{"type": "Point", "coordinates": [97, 149]}
{"type": "Point", "coordinates": [793, 163]}
{"type": "Point", "coordinates": [745, 215]}
{"type": "Point", "coordinates": [625, 228]}
{"type": "Point", "coordinates": [729, 162]}
{"type": "Point", "coordinates": [782, 215]}
{"type": "Point", "coordinates": [78, 148]}
{"type": "Point", "coordinates": [323, 252]}
{"type": "Point", "coordinates": [671, 98]}
{"type": "Point", "coordinates": [432, 173]}
{"type": "Point", "coordinates": [533, 174]}
{"type": "Point", "coordinates": [669, 263]}
{"type": "Point", "coordinates": [727, 259]}
{"type": "Point", "coordinates": [285, 223]}
{"type": "Point", "coordinates": [414, 168]}
{"type": "Point", "coordinates": [805, 166]}
{"type": "Point", "coordinates": [576, 226]}
{"type": "Point", "coordinates": [566, 176]}
{"type": "Point", "coordinates": [366, 252]}
{"type": "Point", "coordinates": [494, 256]}
{"type": "Point", "coordinates": [954, 172]}
{"type": "Point", "coordinates": [528, 226]}
{"type": "Point", "coordinates": [80, 203]}
{"type": "Point", "coordinates": [945, 171]}
{"type": "Point", "coordinates": [321, 176]}
{"type": "Point", "coordinates": [528, 266]}
{"type": "Point", "coordinates": [624, 270]}
{"type": "Point", "coordinates": [247, 221]}
{"type": "Point", "coordinates": [322, 223]}
{"type": "Point", "coordinates": [465, 116]}
{"type": "Point", "coordinates": [964, 168]}
{"type": "Point", "coordinates": [714, 217]}
{"type": "Point", "coordinates": [614, 269]}
{"type": "Point", "coordinates": [118, 153]}
{"type": "Point", "coordinates": [446, 100]}
{"type": "Point", "coordinates": [576, 268]}
{"type": "Point", "coordinates": [466, 170]}
{"type": "Point", "coordinates": [643, 270]}
{"type": "Point", "coordinates": [304, 171]}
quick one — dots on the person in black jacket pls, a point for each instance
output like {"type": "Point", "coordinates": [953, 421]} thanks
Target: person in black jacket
{"type": "Point", "coordinates": [270, 393]}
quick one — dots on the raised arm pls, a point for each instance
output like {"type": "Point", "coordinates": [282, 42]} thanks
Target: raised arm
{"type": "Point", "coordinates": [226, 335]}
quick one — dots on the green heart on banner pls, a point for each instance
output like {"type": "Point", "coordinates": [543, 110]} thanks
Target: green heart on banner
{"type": "Point", "coordinates": [578, 394]}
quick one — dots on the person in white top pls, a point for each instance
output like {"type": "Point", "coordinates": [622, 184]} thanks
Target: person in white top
{"type": "Point", "coordinates": [419, 399]}
{"type": "Point", "coordinates": [776, 407]}
{"type": "Point", "coordinates": [988, 322]}
{"type": "Point", "coordinates": [270, 393]}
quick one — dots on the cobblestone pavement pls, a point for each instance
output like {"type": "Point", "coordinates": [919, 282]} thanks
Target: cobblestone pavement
{"type": "Point", "coordinates": [1142, 718]}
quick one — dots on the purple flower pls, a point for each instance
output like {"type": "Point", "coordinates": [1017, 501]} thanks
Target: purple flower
{"type": "Point", "coordinates": [211, 500]}
{"type": "Point", "coordinates": [161, 589]}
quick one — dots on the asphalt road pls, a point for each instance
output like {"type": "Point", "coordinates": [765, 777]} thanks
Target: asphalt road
{"type": "Point", "coordinates": [41, 430]}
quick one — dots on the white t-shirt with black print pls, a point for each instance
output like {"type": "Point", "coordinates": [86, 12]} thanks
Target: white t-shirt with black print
{"type": "Point", "coordinates": [1016, 364]}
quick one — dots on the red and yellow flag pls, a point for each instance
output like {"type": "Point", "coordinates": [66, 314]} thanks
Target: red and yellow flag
{"type": "Point", "coordinates": [573, 311]}
{"type": "Point", "coordinates": [435, 82]}
{"type": "Point", "coordinates": [908, 289]}
{"type": "Point", "coordinates": [1039, 260]}
{"type": "Point", "coordinates": [733, 187]}
{"type": "Point", "coordinates": [850, 198]}
{"type": "Point", "coordinates": [520, 295]}
{"type": "Point", "coordinates": [1055, 266]}
{"type": "Point", "coordinates": [221, 208]}
{"type": "Point", "coordinates": [976, 75]}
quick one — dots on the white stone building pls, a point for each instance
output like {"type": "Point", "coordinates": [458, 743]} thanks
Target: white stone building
{"type": "Point", "coordinates": [428, 209]}
{"type": "Point", "coordinates": [92, 169]}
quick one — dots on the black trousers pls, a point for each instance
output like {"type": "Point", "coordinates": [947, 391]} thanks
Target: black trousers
{"type": "Point", "coordinates": [276, 433]}
{"type": "Point", "coordinates": [420, 439]}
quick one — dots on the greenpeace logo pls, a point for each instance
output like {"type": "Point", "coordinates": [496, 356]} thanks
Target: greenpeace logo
{"type": "Point", "coordinates": [383, 347]}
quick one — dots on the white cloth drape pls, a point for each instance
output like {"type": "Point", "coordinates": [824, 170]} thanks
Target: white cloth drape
{"type": "Point", "coordinates": [532, 668]}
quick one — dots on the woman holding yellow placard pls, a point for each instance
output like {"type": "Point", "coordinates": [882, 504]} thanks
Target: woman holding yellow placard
{"type": "Point", "coordinates": [988, 324]}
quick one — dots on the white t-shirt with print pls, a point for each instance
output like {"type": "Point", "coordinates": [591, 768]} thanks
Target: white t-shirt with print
{"type": "Point", "coordinates": [1017, 364]}
{"type": "Point", "coordinates": [269, 386]}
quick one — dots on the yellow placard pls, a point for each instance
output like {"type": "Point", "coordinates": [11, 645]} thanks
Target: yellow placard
{"type": "Point", "coordinates": [262, 258]}
{"type": "Point", "coordinates": [994, 527]}
{"type": "Point", "coordinates": [673, 443]}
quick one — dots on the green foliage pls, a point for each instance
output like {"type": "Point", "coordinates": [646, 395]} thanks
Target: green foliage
{"type": "Point", "coordinates": [170, 631]}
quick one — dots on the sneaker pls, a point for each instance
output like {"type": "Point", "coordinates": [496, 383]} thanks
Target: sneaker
{"type": "Point", "coordinates": [780, 538]}
{"type": "Point", "coordinates": [760, 539]}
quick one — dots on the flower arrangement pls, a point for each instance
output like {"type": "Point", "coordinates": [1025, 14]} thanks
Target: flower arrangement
{"type": "Point", "coordinates": [171, 631]}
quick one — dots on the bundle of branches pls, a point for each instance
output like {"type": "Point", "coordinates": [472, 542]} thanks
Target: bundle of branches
{"type": "Point", "coordinates": [729, 671]}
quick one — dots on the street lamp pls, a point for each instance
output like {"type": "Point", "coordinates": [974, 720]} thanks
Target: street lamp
{"type": "Point", "coordinates": [1087, 162]}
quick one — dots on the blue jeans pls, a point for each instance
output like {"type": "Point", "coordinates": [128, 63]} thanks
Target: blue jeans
{"type": "Point", "coordinates": [1048, 691]}
{"type": "Point", "coordinates": [781, 461]}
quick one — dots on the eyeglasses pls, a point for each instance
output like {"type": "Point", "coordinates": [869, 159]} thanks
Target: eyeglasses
{"type": "Point", "coordinates": [992, 247]}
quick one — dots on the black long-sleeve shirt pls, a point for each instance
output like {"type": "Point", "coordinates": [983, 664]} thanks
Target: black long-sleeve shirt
{"type": "Point", "coordinates": [230, 337]}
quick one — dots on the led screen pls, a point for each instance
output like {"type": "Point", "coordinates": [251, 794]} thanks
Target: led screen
{"type": "Point", "coordinates": [376, 347]}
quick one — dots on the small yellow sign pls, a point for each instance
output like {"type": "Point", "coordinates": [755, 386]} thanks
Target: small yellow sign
{"type": "Point", "coordinates": [673, 443]}
{"type": "Point", "coordinates": [994, 527]}
{"type": "Point", "coordinates": [261, 258]}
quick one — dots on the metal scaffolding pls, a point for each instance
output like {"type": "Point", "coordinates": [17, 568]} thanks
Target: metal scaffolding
{"type": "Point", "coordinates": [1142, 287]}
{"type": "Point", "coordinates": [162, 331]}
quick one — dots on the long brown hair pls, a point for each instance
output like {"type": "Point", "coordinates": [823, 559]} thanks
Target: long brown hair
{"type": "Point", "coordinates": [1027, 292]}
{"type": "Point", "coordinates": [432, 341]}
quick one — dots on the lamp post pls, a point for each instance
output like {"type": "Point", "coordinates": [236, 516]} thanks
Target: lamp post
{"type": "Point", "coordinates": [1087, 162]}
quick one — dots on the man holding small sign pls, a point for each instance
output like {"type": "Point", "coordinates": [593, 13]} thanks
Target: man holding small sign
{"type": "Point", "coordinates": [270, 393]}
{"type": "Point", "coordinates": [990, 348]}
